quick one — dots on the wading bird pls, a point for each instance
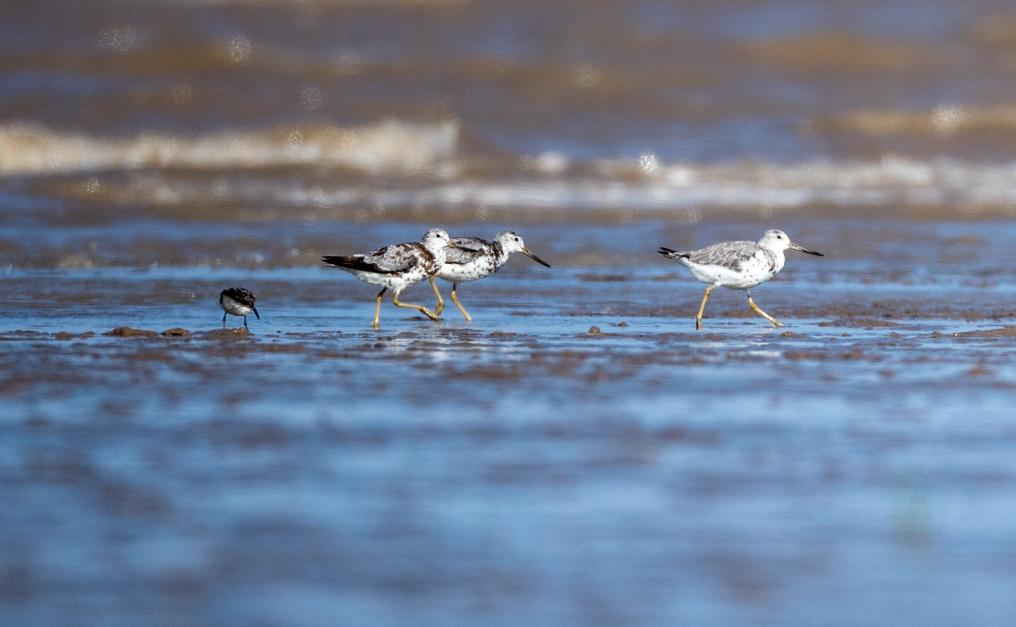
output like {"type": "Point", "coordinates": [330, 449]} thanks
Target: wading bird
{"type": "Point", "coordinates": [398, 266]}
{"type": "Point", "coordinates": [237, 301]}
{"type": "Point", "coordinates": [738, 265]}
{"type": "Point", "coordinates": [472, 258]}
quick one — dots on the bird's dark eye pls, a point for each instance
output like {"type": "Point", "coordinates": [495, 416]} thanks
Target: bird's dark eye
{"type": "Point", "coordinates": [779, 237]}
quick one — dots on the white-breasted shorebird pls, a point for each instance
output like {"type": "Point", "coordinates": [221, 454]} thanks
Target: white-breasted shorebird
{"type": "Point", "coordinates": [398, 266]}
{"type": "Point", "coordinates": [472, 258]}
{"type": "Point", "coordinates": [738, 265]}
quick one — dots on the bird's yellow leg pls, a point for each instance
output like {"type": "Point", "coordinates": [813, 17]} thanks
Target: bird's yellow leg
{"type": "Point", "coordinates": [377, 310]}
{"type": "Point", "coordinates": [439, 307]}
{"type": "Point", "coordinates": [758, 310]}
{"type": "Point", "coordinates": [455, 299]}
{"type": "Point", "coordinates": [702, 307]}
{"type": "Point", "coordinates": [430, 314]}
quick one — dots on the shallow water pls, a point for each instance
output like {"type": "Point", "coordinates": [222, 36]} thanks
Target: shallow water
{"type": "Point", "coordinates": [520, 467]}
{"type": "Point", "coordinates": [576, 455]}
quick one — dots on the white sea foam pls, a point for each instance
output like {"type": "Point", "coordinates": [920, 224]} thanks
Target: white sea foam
{"type": "Point", "coordinates": [425, 166]}
{"type": "Point", "coordinates": [890, 182]}
{"type": "Point", "coordinates": [387, 146]}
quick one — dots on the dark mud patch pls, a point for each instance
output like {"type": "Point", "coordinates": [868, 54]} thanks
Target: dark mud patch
{"type": "Point", "coordinates": [979, 370]}
{"type": "Point", "coordinates": [67, 335]}
{"type": "Point", "coordinates": [491, 373]}
{"type": "Point", "coordinates": [502, 335]}
{"type": "Point", "coordinates": [130, 332]}
{"type": "Point", "coordinates": [860, 323]}
{"type": "Point", "coordinates": [295, 349]}
{"type": "Point", "coordinates": [1003, 332]}
{"type": "Point", "coordinates": [227, 333]}
{"type": "Point", "coordinates": [852, 354]}
{"type": "Point", "coordinates": [602, 278]}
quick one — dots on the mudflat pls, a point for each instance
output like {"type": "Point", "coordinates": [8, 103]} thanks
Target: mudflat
{"type": "Point", "coordinates": [578, 436]}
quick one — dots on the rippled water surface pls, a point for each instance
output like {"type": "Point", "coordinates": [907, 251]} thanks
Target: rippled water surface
{"type": "Point", "coordinates": [578, 454]}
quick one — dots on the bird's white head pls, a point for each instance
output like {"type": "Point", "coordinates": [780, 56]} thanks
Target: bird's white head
{"type": "Point", "coordinates": [777, 240]}
{"type": "Point", "coordinates": [436, 239]}
{"type": "Point", "coordinates": [511, 242]}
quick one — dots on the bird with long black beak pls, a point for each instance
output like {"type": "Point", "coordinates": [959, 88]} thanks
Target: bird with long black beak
{"type": "Point", "coordinates": [738, 265]}
{"type": "Point", "coordinates": [472, 258]}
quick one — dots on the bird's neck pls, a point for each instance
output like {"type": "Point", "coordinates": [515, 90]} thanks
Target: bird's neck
{"type": "Point", "coordinates": [500, 253]}
{"type": "Point", "coordinates": [778, 258]}
{"type": "Point", "coordinates": [438, 252]}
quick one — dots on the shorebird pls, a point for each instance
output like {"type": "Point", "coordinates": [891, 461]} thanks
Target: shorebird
{"type": "Point", "coordinates": [237, 301]}
{"type": "Point", "coordinates": [472, 258]}
{"type": "Point", "coordinates": [397, 267]}
{"type": "Point", "coordinates": [738, 265]}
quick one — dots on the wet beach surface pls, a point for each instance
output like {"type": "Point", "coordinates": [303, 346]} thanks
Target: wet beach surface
{"type": "Point", "coordinates": [577, 447]}
{"type": "Point", "coordinates": [578, 454]}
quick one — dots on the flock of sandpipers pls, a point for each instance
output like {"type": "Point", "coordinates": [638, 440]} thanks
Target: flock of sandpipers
{"type": "Point", "coordinates": [739, 265]}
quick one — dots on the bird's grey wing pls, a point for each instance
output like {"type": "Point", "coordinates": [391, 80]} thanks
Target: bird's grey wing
{"type": "Point", "coordinates": [389, 259]}
{"type": "Point", "coordinates": [466, 249]}
{"type": "Point", "coordinates": [730, 255]}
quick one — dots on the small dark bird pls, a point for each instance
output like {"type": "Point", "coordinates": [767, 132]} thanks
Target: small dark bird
{"type": "Point", "coordinates": [238, 301]}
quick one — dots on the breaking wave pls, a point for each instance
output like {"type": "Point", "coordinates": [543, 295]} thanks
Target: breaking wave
{"type": "Point", "coordinates": [390, 146]}
{"type": "Point", "coordinates": [427, 166]}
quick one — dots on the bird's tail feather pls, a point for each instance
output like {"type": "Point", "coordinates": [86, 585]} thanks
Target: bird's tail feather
{"type": "Point", "coordinates": [351, 261]}
{"type": "Point", "coordinates": [673, 254]}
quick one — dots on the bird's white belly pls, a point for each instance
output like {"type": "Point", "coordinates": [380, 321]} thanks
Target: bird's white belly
{"type": "Point", "coordinates": [751, 274]}
{"type": "Point", "coordinates": [395, 282]}
{"type": "Point", "coordinates": [235, 308]}
{"type": "Point", "coordinates": [460, 273]}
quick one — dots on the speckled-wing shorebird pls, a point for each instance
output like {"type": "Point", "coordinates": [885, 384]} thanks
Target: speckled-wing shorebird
{"type": "Point", "coordinates": [739, 265]}
{"type": "Point", "coordinates": [237, 301]}
{"type": "Point", "coordinates": [472, 258]}
{"type": "Point", "coordinates": [398, 266]}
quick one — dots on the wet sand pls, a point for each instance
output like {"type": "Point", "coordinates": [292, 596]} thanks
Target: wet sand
{"type": "Point", "coordinates": [578, 454]}
{"type": "Point", "coordinates": [577, 447]}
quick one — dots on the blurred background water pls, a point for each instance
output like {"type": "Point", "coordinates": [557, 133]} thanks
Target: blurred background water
{"type": "Point", "coordinates": [479, 110]}
{"type": "Point", "coordinates": [857, 470]}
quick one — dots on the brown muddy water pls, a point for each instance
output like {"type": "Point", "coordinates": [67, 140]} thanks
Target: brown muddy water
{"type": "Point", "coordinates": [578, 454]}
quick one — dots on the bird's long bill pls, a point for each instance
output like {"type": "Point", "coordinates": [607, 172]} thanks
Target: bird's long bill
{"type": "Point", "coordinates": [255, 310]}
{"type": "Point", "coordinates": [806, 250]}
{"type": "Point", "coordinates": [529, 253]}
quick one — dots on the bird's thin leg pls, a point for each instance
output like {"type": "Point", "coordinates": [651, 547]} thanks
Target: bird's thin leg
{"type": "Point", "coordinates": [439, 307]}
{"type": "Point", "coordinates": [758, 310]}
{"type": "Point", "coordinates": [245, 323]}
{"type": "Point", "coordinates": [377, 310]}
{"type": "Point", "coordinates": [430, 314]}
{"type": "Point", "coordinates": [702, 307]}
{"type": "Point", "coordinates": [223, 319]}
{"type": "Point", "coordinates": [455, 299]}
